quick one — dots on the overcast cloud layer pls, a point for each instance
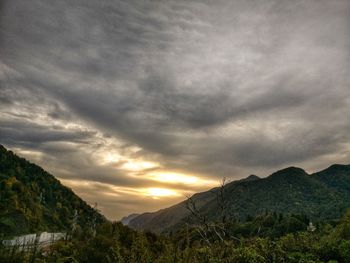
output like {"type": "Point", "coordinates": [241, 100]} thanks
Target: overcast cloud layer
{"type": "Point", "coordinates": [111, 95]}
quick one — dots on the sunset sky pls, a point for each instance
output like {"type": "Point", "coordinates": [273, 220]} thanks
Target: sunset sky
{"type": "Point", "coordinates": [136, 104]}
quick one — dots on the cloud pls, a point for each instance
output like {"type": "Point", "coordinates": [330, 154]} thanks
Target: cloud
{"type": "Point", "coordinates": [200, 88]}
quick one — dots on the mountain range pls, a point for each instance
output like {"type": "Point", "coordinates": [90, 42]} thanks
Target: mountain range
{"type": "Point", "coordinates": [32, 200]}
{"type": "Point", "coordinates": [323, 195]}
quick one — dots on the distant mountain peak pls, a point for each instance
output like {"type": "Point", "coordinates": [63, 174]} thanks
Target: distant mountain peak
{"type": "Point", "coordinates": [322, 195]}
{"type": "Point", "coordinates": [337, 167]}
{"type": "Point", "coordinates": [335, 170]}
{"type": "Point", "coordinates": [251, 177]}
{"type": "Point", "coordinates": [289, 171]}
{"type": "Point", "coordinates": [126, 219]}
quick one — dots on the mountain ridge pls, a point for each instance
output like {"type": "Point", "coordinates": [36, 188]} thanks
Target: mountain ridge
{"type": "Point", "coordinates": [32, 200]}
{"type": "Point", "coordinates": [290, 190]}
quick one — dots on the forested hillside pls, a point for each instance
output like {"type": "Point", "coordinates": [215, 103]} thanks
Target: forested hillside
{"type": "Point", "coordinates": [269, 238]}
{"type": "Point", "coordinates": [320, 196]}
{"type": "Point", "coordinates": [32, 200]}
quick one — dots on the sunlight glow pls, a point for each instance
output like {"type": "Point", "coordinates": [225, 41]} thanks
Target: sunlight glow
{"type": "Point", "coordinates": [111, 158]}
{"type": "Point", "coordinates": [174, 178]}
{"type": "Point", "coordinates": [178, 178]}
{"type": "Point", "coordinates": [160, 192]}
{"type": "Point", "coordinates": [125, 163]}
{"type": "Point", "coordinates": [132, 165]}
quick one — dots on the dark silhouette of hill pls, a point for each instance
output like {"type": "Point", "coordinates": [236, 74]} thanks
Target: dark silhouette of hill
{"type": "Point", "coordinates": [324, 195]}
{"type": "Point", "coordinates": [32, 200]}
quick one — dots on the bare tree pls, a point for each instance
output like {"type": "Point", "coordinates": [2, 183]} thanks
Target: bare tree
{"type": "Point", "coordinates": [221, 200]}
{"type": "Point", "coordinates": [202, 228]}
{"type": "Point", "coordinates": [215, 230]}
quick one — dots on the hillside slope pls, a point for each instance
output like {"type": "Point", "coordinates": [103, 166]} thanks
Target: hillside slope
{"type": "Point", "coordinates": [320, 196]}
{"type": "Point", "coordinates": [33, 200]}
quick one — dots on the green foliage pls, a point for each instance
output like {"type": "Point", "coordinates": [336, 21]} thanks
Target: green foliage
{"type": "Point", "coordinates": [32, 200]}
{"type": "Point", "coordinates": [114, 242]}
{"type": "Point", "coordinates": [322, 196]}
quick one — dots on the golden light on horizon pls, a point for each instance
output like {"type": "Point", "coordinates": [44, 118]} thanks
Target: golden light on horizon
{"type": "Point", "coordinates": [174, 178]}
{"type": "Point", "coordinates": [156, 193]}
{"type": "Point", "coordinates": [179, 178]}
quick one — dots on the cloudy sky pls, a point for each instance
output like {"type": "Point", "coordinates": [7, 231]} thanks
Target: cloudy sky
{"type": "Point", "coordinates": [135, 104]}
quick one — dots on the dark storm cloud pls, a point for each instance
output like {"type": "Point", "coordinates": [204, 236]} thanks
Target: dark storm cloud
{"type": "Point", "coordinates": [27, 133]}
{"type": "Point", "coordinates": [219, 88]}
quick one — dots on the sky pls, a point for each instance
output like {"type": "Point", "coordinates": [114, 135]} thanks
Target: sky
{"type": "Point", "coordinates": [137, 104]}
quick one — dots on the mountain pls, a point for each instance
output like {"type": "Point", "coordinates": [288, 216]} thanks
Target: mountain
{"type": "Point", "coordinates": [167, 218]}
{"type": "Point", "coordinates": [324, 195]}
{"type": "Point", "coordinates": [251, 177]}
{"type": "Point", "coordinates": [32, 200]}
{"type": "Point", "coordinates": [125, 220]}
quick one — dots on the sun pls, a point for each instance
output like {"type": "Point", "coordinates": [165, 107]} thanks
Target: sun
{"type": "Point", "coordinates": [179, 178]}
{"type": "Point", "coordinates": [173, 178]}
{"type": "Point", "coordinates": [160, 192]}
